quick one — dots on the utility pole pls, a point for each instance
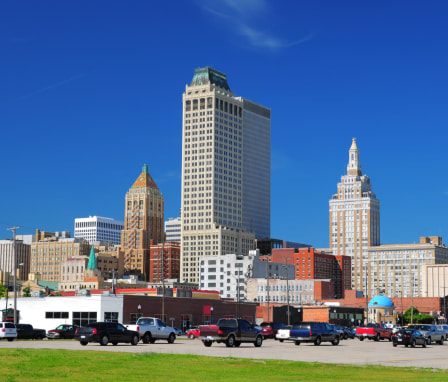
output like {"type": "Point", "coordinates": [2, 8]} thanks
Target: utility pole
{"type": "Point", "coordinates": [13, 229]}
{"type": "Point", "coordinates": [367, 298]}
{"type": "Point", "coordinates": [163, 280]}
{"type": "Point", "coordinates": [287, 291]}
{"type": "Point", "coordinates": [267, 285]}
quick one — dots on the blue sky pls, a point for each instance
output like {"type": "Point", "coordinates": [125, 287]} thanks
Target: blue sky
{"type": "Point", "coordinates": [92, 90]}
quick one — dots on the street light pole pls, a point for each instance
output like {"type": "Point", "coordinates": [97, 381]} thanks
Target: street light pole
{"type": "Point", "coordinates": [13, 229]}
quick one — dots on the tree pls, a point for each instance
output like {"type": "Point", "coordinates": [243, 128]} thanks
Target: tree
{"type": "Point", "coordinates": [3, 291]}
{"type": "Point", "coordinates": [412, 311]}
{"type": "Point", "coordinates": [26, 292]}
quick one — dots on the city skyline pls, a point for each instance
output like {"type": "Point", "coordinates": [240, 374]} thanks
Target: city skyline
{"type": "Point", "coordinates": [96, 93]}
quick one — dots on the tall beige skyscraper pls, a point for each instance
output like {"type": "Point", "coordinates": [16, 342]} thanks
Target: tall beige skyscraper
{"type": "Point", "coordinates": [226, 167]}
{"type": "Point", "coordinates": [355, 218]}
{"type": "Point", "coordinates": [143, 222]}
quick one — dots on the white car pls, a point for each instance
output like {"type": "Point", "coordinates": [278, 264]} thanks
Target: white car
{"type": "Point", "coordinates": [283, 334]}
{"type": "Point", "coordinates": [8, 330]}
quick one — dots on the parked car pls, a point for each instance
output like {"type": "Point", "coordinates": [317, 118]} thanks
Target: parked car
{"type": "Point", "coordinates": [431, 333]}
{"type": "Point", "coordinates": [8, 331]}
{"type": "Point", "coordinates": [151, 329]}
{"type": "Point", "coordinates": [283, 333]}
{"type": "Point", "coordinates": [269, 329]}
{"type": "Point", "coordinates": [443, 328]}
{"type": "Point", "coordinates": [178, 332]}
{"type": "Point", "coordinates": [408, 337]}
{"type": "Point", "coordinates": [233, 332]}
{"type": "Point", "coordinates": [316, 332]}
{"type": "Point", "coordinates": [26, 331]}
{"type": "Point", "coordinates": [348, 333]}
{"type": "Point", "coordinates": [105, 332]}
{"type": "Point", "coordinates": [193, 333]}
{"type": "Point", "coordinates": [374, 331]}
{"type": "Point", "coordinates": [63, 331]}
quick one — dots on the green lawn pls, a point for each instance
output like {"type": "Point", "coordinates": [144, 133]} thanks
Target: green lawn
{"type": "Point", "coordinates": [60, 365]}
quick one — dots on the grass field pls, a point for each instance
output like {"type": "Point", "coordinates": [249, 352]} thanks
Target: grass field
{"type": "Point", "coordinates": [63, 365]}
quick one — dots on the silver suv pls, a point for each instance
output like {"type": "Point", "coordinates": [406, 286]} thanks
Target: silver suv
{"type": "Point", "coordinates": [8, 330]}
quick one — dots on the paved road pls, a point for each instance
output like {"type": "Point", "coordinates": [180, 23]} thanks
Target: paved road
{"type": "Point", "coordinates": [349, 351]}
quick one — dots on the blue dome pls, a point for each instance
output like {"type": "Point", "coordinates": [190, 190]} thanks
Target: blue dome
{"type": "Point", "coordinates": [381, 301]}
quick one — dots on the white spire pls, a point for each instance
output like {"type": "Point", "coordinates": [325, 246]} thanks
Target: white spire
{"type": "Point", "coordinates": [354, 166]}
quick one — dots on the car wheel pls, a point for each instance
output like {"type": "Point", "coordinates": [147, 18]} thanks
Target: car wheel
{"type": "Point", "coordinates": [83, 343]}
{"type": "Point", "coordinates": [134, 340]}
{"type": "Point", "coordinates": [345, 336]}
{"type": "Point", "coordinates": [361, 338]}
{"type": "Point", "coordinates": [390, 338]}
{"type": "Point", "coordinates": [104, 340]}
{"type": "Point", "coordinates": [152, 340]}
{"type": "Point", "coordinates": [378, 337]}
{"type": "Point", "coordinates": [406, 345]}
{"type": "Point", "coordinates": [146, 338]}
{"type": "Point", "coordinates": [237, 344]}
{"type": "Point", "coordinates": [208, 343]}
{"type": "Point", "coordinates": [317, 341]}
{"type": "Point", "coordinates": [441, 341]}
{"type": "Point", "coordinates": [171, 338]}
{"type": "Point", "coordinates": [424, 344]}
{"type": "Point", "coordinates": [395, 344]}
{"type": "Point", "coordinates": [10, 339]}
{"type": "Point", "coordinates": [335, 341]}
{"type": "Point", "coordinates": [191, 336]}
{"type": "Point", "coordinates": [115, 343]}
{"type": "Point", "coordinates": [281, 340]}
{"type": "Point", "coordinates": [258, 342]}
{"type": "Point", "coordinates": [297, 343]}
{"type": "Point", "coordinates": [230, 343]}
{"type": "Point", "coordinates": [428, 341]}
{"type": "Point", "coordinates": [413, 343]}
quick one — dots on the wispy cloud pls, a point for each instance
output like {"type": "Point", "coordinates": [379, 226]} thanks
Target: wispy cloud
{"type": "Point", "coordinates": [242, 18]}
{"type": "Point", "coordinates": [51, 87]}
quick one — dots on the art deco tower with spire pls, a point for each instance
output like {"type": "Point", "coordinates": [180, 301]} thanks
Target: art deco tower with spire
{"type": "Point", "coordinates": [143, 222]}
{"type": "Point", "coordinates": [354, 218]}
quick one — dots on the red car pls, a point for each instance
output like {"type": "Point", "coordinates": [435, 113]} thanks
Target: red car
{"type": "Point", "coordinates": [193, 333]}
{"type": "Point", "coordinates": [269, 329]}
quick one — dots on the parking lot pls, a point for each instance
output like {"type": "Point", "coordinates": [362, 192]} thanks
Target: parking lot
{"type": "Point", "coordinates": [350, 351]}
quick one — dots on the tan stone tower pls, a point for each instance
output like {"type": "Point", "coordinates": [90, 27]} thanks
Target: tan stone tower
{"type": "Point", "coordinates": [355, 218]}
{"type": "Point", "coordinates": [143, 222]}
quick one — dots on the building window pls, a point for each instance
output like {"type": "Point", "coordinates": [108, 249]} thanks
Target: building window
{"type": "Point", "coordinates": [84, 318]}
{"type": "Point", "coordinates": [51, 315]}
{"type": "Point", "coordinates": [111, 316]}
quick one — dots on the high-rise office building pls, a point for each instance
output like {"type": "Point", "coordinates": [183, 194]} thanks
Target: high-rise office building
{"type": "Point", "coordinates": [355, 218]}
{"type": "Point", "coordinates": [226, 171]}
{"type": "Point", "coordinates": [172, 229]}
{"type": "Point", "coordinates": [97, 228]}
{"type": "Point", "coordinates": [143, 222]}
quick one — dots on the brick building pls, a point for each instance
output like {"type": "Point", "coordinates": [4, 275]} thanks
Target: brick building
{"type": "Point", "coordinates": [315, 265]}
{"type": "Point", "coordinates": [164, 260]}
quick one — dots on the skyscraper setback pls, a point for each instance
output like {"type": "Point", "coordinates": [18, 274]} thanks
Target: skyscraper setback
{"type": "Point", "coordinates": [355, 218]}
{"type": "Point", "coordinates": [226, 171]}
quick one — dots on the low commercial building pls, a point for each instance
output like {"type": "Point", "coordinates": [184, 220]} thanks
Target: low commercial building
{"type": "Point", "coordinates": [49, 312]}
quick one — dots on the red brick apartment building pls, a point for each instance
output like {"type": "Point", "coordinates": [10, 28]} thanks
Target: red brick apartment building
{"type": "Point", "coordinates": [164, 261]}
{"type": "Point", "coordinates": [316, 265]}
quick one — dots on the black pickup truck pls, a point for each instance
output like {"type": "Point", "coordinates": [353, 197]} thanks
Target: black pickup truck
{"type": "Point", "coordinates": [26, 331]}
{"type": "Point", "coordinates": [233, 332]}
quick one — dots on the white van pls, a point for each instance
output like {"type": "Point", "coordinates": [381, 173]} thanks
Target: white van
{"type": "Point", "coordinates": [8, 330]}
